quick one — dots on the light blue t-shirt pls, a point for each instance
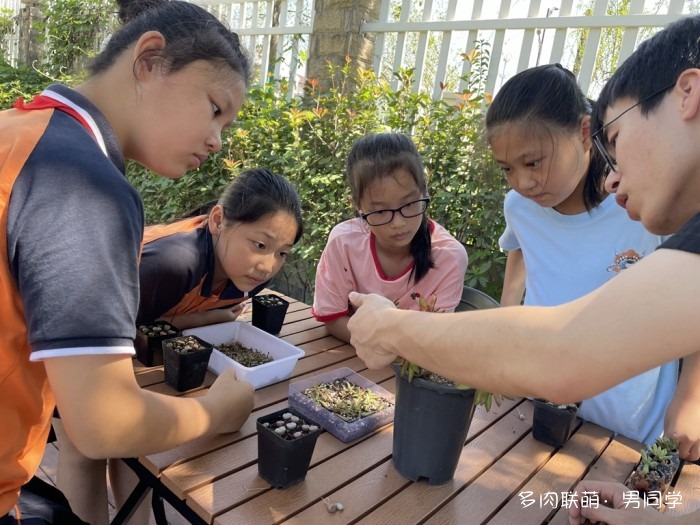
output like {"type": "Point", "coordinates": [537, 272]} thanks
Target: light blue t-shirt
{"type": "Point", "coordinates": [569, 256]}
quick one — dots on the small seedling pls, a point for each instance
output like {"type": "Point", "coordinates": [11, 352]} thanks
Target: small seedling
{"type": "Point", "coordinates": [185, 344]}
{"type": "Point", "coordinates": [346, 399]}
{"type": "Point", "coordinates": [157, 329]}
{"type": "Point", "coordinates": [269, 300]}
{"type": "Point", "coordinates": [247, 357]}
{"type": "Point", "coordinates": [290, 427]}
{"type": "Point", "coordinates": [410, 370]}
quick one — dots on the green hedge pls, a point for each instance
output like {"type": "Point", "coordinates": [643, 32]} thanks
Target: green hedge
{"type": "Point", "coordinates": [307, 139]}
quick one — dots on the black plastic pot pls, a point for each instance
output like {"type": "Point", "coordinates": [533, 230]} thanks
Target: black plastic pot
{"type": "Point", "coordinates": [269, 317]}
{"type": "Point", "coordinates": [149, 349]}
{"type": "Point", "coordinates": [284, 462]}
{"type": "Point", "coordinates": [185, 371]}
{"type": "Point", "coordinates": [649, 483]}
{"type": "Point", "coordinates": [551, 424]}
{"type": "Point", "coordinates": [431, 422]}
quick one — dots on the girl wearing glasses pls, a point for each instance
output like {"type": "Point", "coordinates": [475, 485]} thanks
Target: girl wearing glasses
{"type": "Point", "coordinates": [564, 235]}
{"type": "Point", "coordinates": [392, 248]}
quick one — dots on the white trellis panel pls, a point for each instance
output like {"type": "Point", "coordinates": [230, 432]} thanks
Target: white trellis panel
{"type": "Point", "coordinates": [273, 45]}
{"type": "Point", "coordinates": [11, 41]}
{"type": "Point", "coordinates": [431, 35]}
{"type": "Point", "coordinates": [520, 34]}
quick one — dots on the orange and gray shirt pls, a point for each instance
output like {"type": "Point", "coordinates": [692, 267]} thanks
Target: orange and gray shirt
{"type": "Point", "coordinates": [177, 271]}
{"type": "Point", "coordinates": [71, 230]}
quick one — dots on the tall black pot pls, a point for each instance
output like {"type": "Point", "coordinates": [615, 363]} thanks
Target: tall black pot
{"type": "Point", "coordinates": [431, 422]}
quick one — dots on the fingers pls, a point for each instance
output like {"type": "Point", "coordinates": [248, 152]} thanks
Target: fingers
{"type": "Point", "coordinates": [693, 453]}
{"type": "Point", "coordinates": [228, 373]}
{"type": "Point", "coordinates": [599, 513]}
{"type": "Point", "coordinates": [687, 448]}
{"type": "Point", "coordinates": [240, 307]}
{"type": "Point", "coordinates": [357, 299]}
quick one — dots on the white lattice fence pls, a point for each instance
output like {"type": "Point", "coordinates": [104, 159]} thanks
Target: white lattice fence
{"type": "Point", "coordinates": [276, 39]}
{"type": "Point", "coordinates": [10, 43]}
{"type": "Point", "coordinates": [431, 36]}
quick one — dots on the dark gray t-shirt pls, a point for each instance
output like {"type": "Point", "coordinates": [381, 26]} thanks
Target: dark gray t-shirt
{"type": "Point", "coordinates": [73, 236]}
{"type": "Point", "coordinates": [688, 237]}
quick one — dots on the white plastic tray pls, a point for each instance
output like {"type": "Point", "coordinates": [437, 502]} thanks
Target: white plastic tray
{"type": "Point", "coordinates": [284, 355]}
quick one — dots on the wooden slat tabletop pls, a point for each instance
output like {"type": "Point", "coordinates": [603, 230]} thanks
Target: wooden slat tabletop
{"type": "Point", "coordinates": [500, 469]}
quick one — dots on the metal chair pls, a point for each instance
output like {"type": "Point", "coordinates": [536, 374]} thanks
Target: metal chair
{"type": "Point", "coordinates": [473, 299]}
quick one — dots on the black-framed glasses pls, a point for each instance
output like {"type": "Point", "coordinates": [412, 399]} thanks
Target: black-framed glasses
{"type": "Point", "coordinates": [381, 217]}
{"type": "Point", "coordinates": [600, 143]}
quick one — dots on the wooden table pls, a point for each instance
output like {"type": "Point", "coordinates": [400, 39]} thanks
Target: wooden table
{"type": "Point", "coordinates": [504, 476]}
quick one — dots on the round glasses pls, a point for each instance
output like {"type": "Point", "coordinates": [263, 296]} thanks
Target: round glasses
{"type": "Point", "coordinates": [381, 217]}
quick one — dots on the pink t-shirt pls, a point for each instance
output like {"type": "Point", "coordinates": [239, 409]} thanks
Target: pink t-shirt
{"type": "Point", "coordinates": [349, 263]}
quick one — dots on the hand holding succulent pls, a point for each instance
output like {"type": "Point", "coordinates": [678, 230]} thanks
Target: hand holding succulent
{"type": "Point", "coordinates": [411, 370]}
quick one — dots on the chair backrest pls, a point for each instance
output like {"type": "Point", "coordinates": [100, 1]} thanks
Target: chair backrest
{"type": "Point", "coordinates": [473, 299]}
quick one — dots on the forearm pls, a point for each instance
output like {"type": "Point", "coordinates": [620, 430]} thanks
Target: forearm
{"type": "Point", "coordinates": [147, 424]}
{"type": "Point", "coordinates": [513, 279]}
{"type": "Point", "coordinates": [682, 418]}
{"type": "Point", "coordinates": [193, 320]}
{"type": "Point", "coordinates": [483, 349]}
{"type": "Point", "coordinates": [688, 519]}
{"type": "Point", "coordinates": [218, 315]}
{"type": "Point", "coordinates": [106, 413]}
{"type": "Point", "coordinates": [689, 380]}
{"type": "Point", "coordinates": [565, 353]}
{"type": "Point", "coordinates": [338, 328]}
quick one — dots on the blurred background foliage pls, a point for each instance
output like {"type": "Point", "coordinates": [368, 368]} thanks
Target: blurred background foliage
{"type": "Point", "coordinates": [306, 139]}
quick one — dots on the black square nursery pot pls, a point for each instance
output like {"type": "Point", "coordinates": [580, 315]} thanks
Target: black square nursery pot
{"type": "Point", "coordinates": [149, 339]}
{"type": "Point", "coordinates": [284, 460]}
{"type": "Point", "coordinates": [186, 359]}
{"type": "Point", "coordinates": [268, 312]}
{"type": "Point", "coordinates": [552, 424]}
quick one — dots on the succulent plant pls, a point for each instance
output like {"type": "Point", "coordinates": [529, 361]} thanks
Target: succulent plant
{"type": "Point", "coordinates": [647, 462]}
{"type": "Point", "coordinates": [410, 370]}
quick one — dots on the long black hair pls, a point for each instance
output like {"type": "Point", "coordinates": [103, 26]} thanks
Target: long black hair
{"type": "Point", "coordinates": [254, 194]}
{"type": "Point", "coordinates": [258, 192]}
{"type": "Point", "coordinates": [656, 64]}
{"type": "Point", "coordinates": [382, 155]}
{"type": "Point", "coordinates": [191, 33]}
{"type": "Point", "coordinates": [548, 99]}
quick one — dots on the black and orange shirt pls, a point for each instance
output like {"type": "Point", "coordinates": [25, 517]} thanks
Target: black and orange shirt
{"type": "Point", "coordinates": [177, 271]}
{"type": "Point", "coordinates": [71, 231]}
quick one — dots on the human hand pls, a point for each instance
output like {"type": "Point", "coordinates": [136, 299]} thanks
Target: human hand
{"type": "Point", "coordinates": [224, 315]}
{"type": "Point", "coordinates": [368, 329]}
{"type": "Point", "coordinates": [682, 423]}
{"type": "Point", "coordinates": [230, 400]}
{"type": "Point", "coordinates": [616, 506]}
